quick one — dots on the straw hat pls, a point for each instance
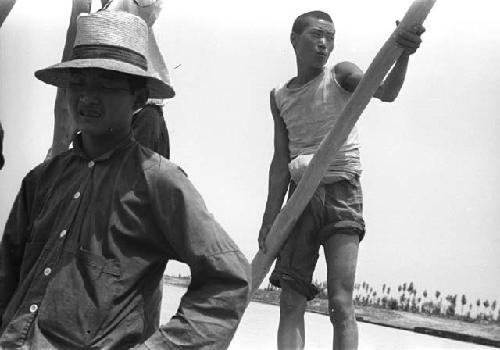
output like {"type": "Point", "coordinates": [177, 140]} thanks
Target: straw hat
{"type": "Point", "coordinates": [111, 40]}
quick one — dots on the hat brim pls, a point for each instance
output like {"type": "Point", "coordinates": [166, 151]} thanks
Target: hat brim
{"type": "Point", "coordinates": [58, 74]}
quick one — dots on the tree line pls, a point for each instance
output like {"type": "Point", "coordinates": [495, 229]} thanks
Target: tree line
{"type": "Point", "coordinates": [406, 297]}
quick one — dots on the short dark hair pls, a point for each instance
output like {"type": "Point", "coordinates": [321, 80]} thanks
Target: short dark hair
{"type": "Point", "coordinates": [302, 21]}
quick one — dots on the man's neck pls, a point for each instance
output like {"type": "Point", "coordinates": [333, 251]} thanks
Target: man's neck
{"type": "Point", "coordinates": [96, 145]}
{"type": "Point", "coordinates": [305, 75]}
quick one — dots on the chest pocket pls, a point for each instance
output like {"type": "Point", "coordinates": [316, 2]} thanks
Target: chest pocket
{"type": "Point", "coordinates": [79, 297]}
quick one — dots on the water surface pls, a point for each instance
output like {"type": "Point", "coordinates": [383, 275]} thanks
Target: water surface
{"type": "Point", "coordinates": [258, 328]}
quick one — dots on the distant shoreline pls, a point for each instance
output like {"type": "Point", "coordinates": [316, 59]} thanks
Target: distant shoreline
{"type": "Point", "coordinates": [472, 332]}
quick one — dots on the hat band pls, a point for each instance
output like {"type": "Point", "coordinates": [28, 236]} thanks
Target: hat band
{"type": "Point", "coordinates": [110, 52]}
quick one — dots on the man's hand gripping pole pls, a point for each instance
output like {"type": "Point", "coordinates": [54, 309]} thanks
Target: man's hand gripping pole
{"type": "Point", "coordinates": [372, 79]}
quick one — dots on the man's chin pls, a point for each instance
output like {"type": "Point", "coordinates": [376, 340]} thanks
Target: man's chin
{"type": "Point", "coordinates": [322, 63]}
{"type": "Point", "coordinates": [88, 130]}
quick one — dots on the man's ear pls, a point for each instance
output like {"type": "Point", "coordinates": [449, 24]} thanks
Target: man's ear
{"type": "Point", "coordinates": [293, 38]}
{"type": "Point", "coordinates": [141, 97]}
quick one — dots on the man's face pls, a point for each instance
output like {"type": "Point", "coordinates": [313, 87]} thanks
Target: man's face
{"type": "Point", "coordinates": [314, 45]}
{"type": "Point", "coordinates": [100, 101]}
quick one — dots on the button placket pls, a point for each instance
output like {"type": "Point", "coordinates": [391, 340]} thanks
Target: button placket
{"type": "Point", "coordinates": [50, 256]}
{"type": "Point", "coordinates": [33, 308]}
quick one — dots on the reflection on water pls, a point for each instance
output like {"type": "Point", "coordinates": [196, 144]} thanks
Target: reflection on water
{"type": "Point", "coordinates": [260, 323]}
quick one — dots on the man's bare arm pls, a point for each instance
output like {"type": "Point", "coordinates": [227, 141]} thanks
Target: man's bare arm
{"type": "Point", "coordinates": [279, 176]}
{"type": "Point", "coordinates": [348, 75]}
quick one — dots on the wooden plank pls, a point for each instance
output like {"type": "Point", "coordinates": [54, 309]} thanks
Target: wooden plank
{"type": "Point", "coordinates": [64, 125]}
{"type": "Point", "coordinates": [5, 8]}
{"type": "Point", "coordinates": [372, 79]}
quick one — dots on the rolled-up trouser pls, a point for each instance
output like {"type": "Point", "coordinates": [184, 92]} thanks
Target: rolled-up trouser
{"type": "Point", "coordinates": [335, 208]}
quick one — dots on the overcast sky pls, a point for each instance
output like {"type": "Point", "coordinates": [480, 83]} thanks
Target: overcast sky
{"type": "Point", "coordinates": [431, 165]}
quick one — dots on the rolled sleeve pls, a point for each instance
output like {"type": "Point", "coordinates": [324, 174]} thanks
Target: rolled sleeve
{"type": "Point", "coordinates": [211, 309]}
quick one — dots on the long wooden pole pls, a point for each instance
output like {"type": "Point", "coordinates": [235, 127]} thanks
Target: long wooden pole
{"type": "Point", "coordinates": [5, 8]}
{"type": "Point", "coordinates": [372, 79]}
{"type": "Point", "coordinates": [63, 123]}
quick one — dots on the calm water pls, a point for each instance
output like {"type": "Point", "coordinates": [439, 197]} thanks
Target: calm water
{"type": "Point", "coordinates": [258, 327]}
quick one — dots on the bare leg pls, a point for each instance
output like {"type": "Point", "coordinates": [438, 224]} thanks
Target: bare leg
{"type": "Point", "coordinates": [291, 334]}
{"type": "Point", "coordinates": [341, 253]}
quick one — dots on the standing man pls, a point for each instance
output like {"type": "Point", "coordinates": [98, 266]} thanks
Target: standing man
{"type": "Point", "coordinates": [304, 110]}
{"type": "Point", "coordinates": [92, 229]}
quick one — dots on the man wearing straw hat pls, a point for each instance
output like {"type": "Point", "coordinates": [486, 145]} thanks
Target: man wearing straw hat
{"type": "Point", "coordinates": [148, 123]}
{"type": "Point", "coordinates": [91, 231]}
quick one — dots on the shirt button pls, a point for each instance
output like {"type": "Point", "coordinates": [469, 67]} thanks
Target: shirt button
{"type": "Point", "coordinates": [76, 195]}
{"type": "Point", "coordinates": [91, 164]}
{"type": "Point", "coordinates": [47, 271]}
{"type": "Point", "coordinates": [33, 308]}
{"type": "Point", "coordinates": [62, 234]}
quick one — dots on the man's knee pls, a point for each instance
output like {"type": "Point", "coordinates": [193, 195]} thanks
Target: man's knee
{"type": "Point", "coordinates": [341, 309]}
{"type": "Point", "coordinates": [292, 302]}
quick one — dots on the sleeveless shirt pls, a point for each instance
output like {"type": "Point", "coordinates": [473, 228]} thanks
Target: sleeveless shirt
{"type": "Point", "coordinates": [310, 112]}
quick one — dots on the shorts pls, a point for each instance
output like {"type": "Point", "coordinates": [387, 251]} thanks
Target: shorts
{"type": "Point", "coordinates": [335, 208]}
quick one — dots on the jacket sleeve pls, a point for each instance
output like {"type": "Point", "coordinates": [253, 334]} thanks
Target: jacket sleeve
{"type": "Point", "coordinates": [13, 241]}
{"type": "Point", "coordinates": [211, 309]}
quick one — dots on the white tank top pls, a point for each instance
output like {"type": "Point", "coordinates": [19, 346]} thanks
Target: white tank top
{"type": "Point", "coordinates": [309, 113]}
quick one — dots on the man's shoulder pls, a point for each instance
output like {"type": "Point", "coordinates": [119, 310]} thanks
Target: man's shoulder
{"type": "Point", "coordinates": [51, 164]}
{"type": "Point", "coordinates": [344, 71]}
{"type": "Point", "coordinates": [345, 67]}
{"type": "Point", "coordinates": [282, 86]}
{"type": "Point", "coordinates": [279, 92]}
{"type": "Point", "coordinates": [43, 175]}
{"type": "Point", "coordinates": [158, 167]}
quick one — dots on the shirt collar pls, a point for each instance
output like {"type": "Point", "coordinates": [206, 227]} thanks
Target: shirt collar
{"type": "Point", "coordinates": [78, 147]}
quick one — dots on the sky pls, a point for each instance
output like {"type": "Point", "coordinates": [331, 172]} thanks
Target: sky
{"type": "Point", "coordinates": [430, 159]}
